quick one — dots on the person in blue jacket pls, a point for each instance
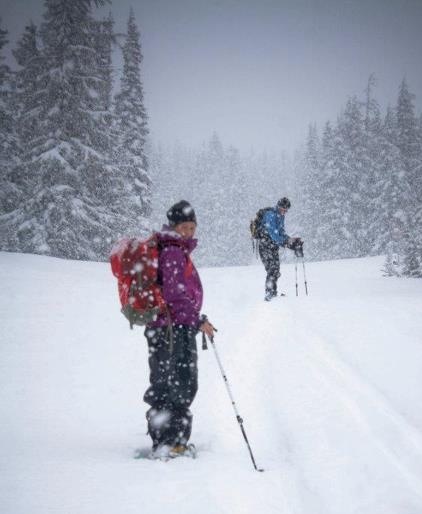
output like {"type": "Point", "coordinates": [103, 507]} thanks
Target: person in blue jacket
{"type": "Point", "coordinates": [272, 237]}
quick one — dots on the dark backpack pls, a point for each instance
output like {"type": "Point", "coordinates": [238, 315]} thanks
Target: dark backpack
{"type": "Point", "coordinates": [255, 226]}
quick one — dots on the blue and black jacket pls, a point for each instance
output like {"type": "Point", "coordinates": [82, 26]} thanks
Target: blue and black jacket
{"type": "Point", "coordinates": [273, 227]}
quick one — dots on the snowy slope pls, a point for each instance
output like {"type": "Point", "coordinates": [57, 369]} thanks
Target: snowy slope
{"type": "Point", "coordinates": [329, 387]}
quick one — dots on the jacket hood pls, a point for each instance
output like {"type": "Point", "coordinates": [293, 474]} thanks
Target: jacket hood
{"type": "Point", "coordinates": [167, 235]}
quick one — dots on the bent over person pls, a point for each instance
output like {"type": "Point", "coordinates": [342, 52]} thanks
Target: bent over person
{"type": "Point", "coordinates": [272, 237]}
{"type": "Point", "coordinates": [171, 337]}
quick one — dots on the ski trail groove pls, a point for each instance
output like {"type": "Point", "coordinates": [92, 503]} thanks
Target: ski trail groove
{"type": "Point", "coordinates": [371, 410]}
{"type": "Point", "coordinates": [272, 438]}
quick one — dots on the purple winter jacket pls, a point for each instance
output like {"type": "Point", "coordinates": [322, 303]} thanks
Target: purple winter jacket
{"type": "Point", "coordinates": [179, 279]}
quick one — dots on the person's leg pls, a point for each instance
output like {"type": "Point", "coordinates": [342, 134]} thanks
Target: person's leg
{"type": "Point", "coordinates": [158, 393]}
{"type": "Point", "coordinates": [269, 254]}
{"type": "Point", "coordinates": [173, 385]}
{"type": "Point", "coordinates": [274, 271]}
{"type": "Point", "coordinates": [183, 383]}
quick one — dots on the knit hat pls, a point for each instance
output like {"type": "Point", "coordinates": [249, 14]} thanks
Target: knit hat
{"type": "Point", "coordinates": [180, 212]}
{"type": "Point", "coordinates": [284, 203]}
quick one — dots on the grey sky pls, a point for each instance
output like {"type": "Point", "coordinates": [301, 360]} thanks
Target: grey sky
{"type": "Point", "coordinates": [258, 71]}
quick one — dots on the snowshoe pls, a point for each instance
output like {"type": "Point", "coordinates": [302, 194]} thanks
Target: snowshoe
{"type": "Point", "coordinates": [165, 452]}
{"type": "Point", "coordinates": [183, 450]}
{"type": "Point", "coordinates": [270, 296]}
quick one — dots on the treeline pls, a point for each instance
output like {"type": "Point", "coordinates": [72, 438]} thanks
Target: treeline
{"type": "Point", "coordinates": [225, 188]}
{"type": "Point", "coordinates": [74, 171]}
{"type": "Point", "coordinates": [77, 171]}
{"type": "Point", "coordinates": [356, 188]}
{"type": "Point", "coordinates": [361, 185]}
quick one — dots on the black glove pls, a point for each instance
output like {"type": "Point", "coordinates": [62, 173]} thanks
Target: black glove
{"type": "Point", "coordinates": [295, 244]}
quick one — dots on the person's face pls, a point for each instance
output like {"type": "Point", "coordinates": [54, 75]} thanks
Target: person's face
{"type": "Point", "coordinates": [186, 229]}
{"type": "Point", "coordinates": [282, 210]}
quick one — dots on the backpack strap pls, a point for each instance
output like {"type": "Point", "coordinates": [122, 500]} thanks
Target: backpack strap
{"type": "Point", "coordinates": [189, 266]}
{"type": "Point", "coordinates": [169, 334]}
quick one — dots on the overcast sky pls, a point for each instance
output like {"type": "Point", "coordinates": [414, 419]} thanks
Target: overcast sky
{"type": "Point", "coordinates": [259, 71]}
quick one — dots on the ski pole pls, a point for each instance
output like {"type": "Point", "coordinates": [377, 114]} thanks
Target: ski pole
{"type": "Point", "coordinates": [298, 249]}
{"type": "Point", "coordinates": [304, 275]}
{"type": "Point", "coordinates": [238, 417]}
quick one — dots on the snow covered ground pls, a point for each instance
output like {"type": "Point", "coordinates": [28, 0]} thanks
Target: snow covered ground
{"type": "Point", "coordinates": [329, 387]}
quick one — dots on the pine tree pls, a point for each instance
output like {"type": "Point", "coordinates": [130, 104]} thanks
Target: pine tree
{"type": "Point", "coordinates": [236, 211]}
{"type": "Point", "coordinates": [233, 225]}
{"type": "Point", "coordinates": [353, 186]}
{"type": "Point", "coordinates": [9, 193]}
{"type": "Point", "coordinates": [131, 136]}
{"type": "Point", "coordinates": [161, 191]}
{"type": "Point", "coordinates": [372, 111]}
{"type": "Point", "coordinates": [310, 197]}
{"type": "Point", "coordinates": [26, 113]}
{"type": "Point", "coordinates": [393, 195]}
{"type": "Point", "coordinates": [68, 213]}
{"type": "Point", "coordinates": [330, 207]}
{"type": "Point", "coordinates": [103, 40]}
{"type": "Point", "coordinates": [211, 200]}
{"type": "Point", "coordinates": [29, 59]}
{"type": "Point", "coordinates": [407, 131]}
{"type": "Point", "coordinates": [375, 172]}
{"type": "Point", "coordinates": [409, 145]}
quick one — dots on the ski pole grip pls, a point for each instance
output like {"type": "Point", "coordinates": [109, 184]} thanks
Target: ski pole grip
{"type": "Point", "coordinates": [204, 342]}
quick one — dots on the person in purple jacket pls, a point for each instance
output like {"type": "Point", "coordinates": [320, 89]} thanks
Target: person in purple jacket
{"type": "Point", "coordinates": [172, 349]}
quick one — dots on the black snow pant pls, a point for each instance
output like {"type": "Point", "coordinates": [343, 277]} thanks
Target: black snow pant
{"type": "Point", "coordinates": [270, 257]}
{"type": "Point", "coordinates": [173, 384]}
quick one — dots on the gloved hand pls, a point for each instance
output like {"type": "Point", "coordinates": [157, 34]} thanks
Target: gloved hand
{"type": "Point", "coordinates": [293, 241]}
{"type": "Point", "coordinates": [295, 244]}
{"type": "Point", "coordinates": [206, 327]}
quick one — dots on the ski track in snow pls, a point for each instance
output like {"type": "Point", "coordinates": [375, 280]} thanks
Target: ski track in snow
{"type": "Point", "coordinates": [379, 426]}
{"type": "Point", "coordinates": [391, 432]}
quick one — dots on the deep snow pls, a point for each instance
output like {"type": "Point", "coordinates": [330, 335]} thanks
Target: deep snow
{"type": "Point", "coordinates": [329, 387]}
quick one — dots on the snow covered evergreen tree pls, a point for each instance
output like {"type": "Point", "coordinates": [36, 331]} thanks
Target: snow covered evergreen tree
{"type": "Point", "coordinates": [29, 59]}
{"type": "Point", "coordinates": [408, 142]}
{"type": "Point", "coordinates": [173, 170]}
{"type": "Point", "coordinates": [70, 211]}
{"type": "Point", "coordinates": [368, 192]}
{"type": "Point", "coordinates": [103, 39]}
{"type": "Point", "coordinates": [375, 172]}
{"type": "Point", "coordinates": [392, 200]}
{"type": "Point", "coordinates": [9, 192]}
{"type": "Point", "coordinates": [353, 186]}
{"type": "Point", "coordinates": [330, 206]}
{"type": "Point", "coordinates": [26, 105]}
{"type": "Point", "coordinates": [212, 176]}
{"type": "Point", "coordinates": [310, 200]}
{"type": "Point", "coordinates": [131, 129]}
{"type": "Point", "coordinates": [233, 227]}
{"type": "Point", "coordinates": [162, 194]}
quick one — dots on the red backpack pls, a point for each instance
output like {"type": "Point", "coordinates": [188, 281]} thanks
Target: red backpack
{"type": "Point", "coordinates": [134, 263]}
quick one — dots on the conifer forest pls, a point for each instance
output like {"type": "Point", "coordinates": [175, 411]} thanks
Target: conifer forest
{"type": "Point", "coordinates": [80, 169]}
